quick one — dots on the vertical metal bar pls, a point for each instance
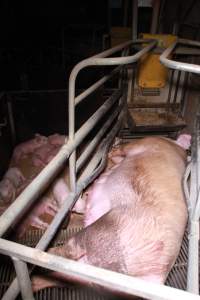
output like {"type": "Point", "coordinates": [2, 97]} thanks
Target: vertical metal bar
{"type": "Point", "coordinates": [176, 90]}
{"type": "Point", "coordinates": [134, 19]}
{"type": "Point", "coordinates": [155, 16]}
{"type": "Point", "coordinates": [23, 279]}
{"type": "Point", "coordinates": [192, 272]}
{"type": "Point", "coordinates": [130, 85]}
{"type": "Point", "coordinates": [183, 95]}
{"type": "Point", "coordinates": [193, 258]}
{"type": "Point", "coordinates": [169, 94]}
{"type": "Point", "coordinates": [72, 159]}
{"type": "Point", "coordinates": [193, 247]}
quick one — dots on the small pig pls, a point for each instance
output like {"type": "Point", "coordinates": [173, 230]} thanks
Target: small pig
{"type": "Point", "coordinates": [15, 176]}
{"type": "Point", "coordinates": [135, 213]}
{"type": "Point", "coordinates": [29, 147]}
{"type": "Point", "coordinates": [28, 160]}
{"type": "Point", "coordinates": [7, 191]}
{"type": "Point", "coordinates": [49, 204]}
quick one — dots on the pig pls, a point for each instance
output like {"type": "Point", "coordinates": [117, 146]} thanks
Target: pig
{"type": "Point", "coordinates": [7, 191]}
{"type": "Point", "coordinates": [15, 176]}
{"type": "Point", "coordinates": [29, 147]}
{"type": "Point", "coordinates": [28, 160]}
{"type": "Point", "coordinates": [135, 214]}
{"type": "Point", "coordinates": [48, 204]}
{"type": "Point", "coordinates": [10, 185]}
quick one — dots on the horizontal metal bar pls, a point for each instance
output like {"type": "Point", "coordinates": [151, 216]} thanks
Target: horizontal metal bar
{"type": "Point", "coordinates": [100, 60]}
{"type": "Point", "coordinates": [23, 279]}
{"type": "Point", "coordinates": [95, 118]}
{"type": "Point", "coordinates": [109, 279]}
{"type": "Point", "coordinates": [176, 64]}
{"type": "Point", "coordinates": [96, 85]}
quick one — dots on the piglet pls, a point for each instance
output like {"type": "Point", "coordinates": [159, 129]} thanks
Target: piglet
{"type": "Point", "coordinates": [28, 147]}
{"type": "Point", "coordinates": [135, 213]}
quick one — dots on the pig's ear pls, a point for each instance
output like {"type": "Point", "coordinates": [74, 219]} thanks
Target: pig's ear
{"type": "Point", "coordinates": [184, 140]}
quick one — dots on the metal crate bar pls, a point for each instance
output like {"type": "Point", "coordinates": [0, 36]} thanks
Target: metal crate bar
{"type": "Point", "coordinates": [97, 60]}
{"type": "Point", "coordinates": [109, 279]}
{"type": "Point", "coordinates": [194, 213]}
{"type": "Point", "coordinates": [191, 182]}
{"type": "Point", "coordinates": [88, 176]}
{"type": "Point", "coordinates": [38, 185]}
{"type": "Point", "coordinates": [23, 278]}
{"type": "Point", "coordinates": [181, 66]}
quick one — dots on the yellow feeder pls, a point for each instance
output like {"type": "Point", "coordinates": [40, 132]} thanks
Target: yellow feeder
{"type": "Point", "coordinates": [151, 73]}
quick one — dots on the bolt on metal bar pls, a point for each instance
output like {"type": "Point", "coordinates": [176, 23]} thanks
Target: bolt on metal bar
{"type": "Point", "coordinates": [88, 273]}
{"type": "Point", "coordinates": [181, 66]}
{"type": "Point", "coordinates": [23, 278]}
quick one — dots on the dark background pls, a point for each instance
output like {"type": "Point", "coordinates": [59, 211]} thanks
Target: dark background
{"type": "Point", "coordinates": [41, 41]}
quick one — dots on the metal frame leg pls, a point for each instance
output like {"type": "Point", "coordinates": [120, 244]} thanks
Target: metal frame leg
{"type": "Point", "coordinates": [23, 279]}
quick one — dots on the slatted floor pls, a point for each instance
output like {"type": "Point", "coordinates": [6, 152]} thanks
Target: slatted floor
{"type": "Point", "coordinates": [176, 278]}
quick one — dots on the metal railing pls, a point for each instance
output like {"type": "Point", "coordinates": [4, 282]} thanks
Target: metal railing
{"type": "Point", "coordinates": [177, 65]}
{"type": "Point", "coordinates": [192, 175]}
{"type": "Point", "coordinates": [192, 193]}
{"type": "Point", "coordinates": [21, 255]}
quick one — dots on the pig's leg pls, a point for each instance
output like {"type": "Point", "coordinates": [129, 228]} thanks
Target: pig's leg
{"type": "Point", "coordinates": [51, 209]}
{"type": "Point", "coordinates": [60, 191]}
{"type": "Point", "coordinates": [40, 282]}
{"type": "Point", "coordinates": [31, 221]}
{"type": "Point", "coordinates": [37, 222]}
